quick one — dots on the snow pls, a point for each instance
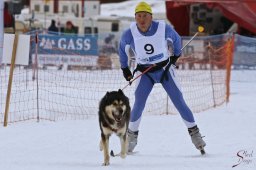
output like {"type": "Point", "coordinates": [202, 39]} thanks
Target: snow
{"type": "Point", "coordinates": [163, 140]}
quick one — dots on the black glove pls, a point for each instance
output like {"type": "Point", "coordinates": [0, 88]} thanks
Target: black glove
{"type": "Point", "coordinates": [173, 59]}
{"type": "Point", "coordinates": [127, 73]}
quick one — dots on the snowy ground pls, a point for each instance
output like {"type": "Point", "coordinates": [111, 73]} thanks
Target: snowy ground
{"type": "Point", "coordinates": [163, 142]}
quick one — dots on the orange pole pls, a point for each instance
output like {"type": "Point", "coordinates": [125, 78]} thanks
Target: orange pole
{"type": "Point", "coordinates": [230, 53]}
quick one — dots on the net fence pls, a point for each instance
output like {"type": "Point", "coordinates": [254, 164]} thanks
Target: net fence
{"type": "Point", "coordinates": [67, 76]}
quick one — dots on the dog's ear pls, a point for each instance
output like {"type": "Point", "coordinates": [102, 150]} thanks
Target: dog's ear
{"type": "Point", "coordinates": [107, 94]}
{"type": "Point", "coordinates": [120, 91]}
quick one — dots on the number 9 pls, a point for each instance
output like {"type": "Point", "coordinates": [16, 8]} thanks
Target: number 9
{"type": "Point", "coordinates": [149, 48]}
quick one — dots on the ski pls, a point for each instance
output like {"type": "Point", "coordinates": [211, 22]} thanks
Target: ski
{"type": "Point", "coordinates": [132, 153]}
{"type": "Point", "coordinates": [115, 155]}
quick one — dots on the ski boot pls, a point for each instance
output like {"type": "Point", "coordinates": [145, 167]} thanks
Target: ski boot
{"type": "Point", "coordinates": [197, 139]}
{"type": "Point", "coordinates": [132, 138]}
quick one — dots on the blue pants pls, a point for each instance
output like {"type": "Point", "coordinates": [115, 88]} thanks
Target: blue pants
{"type": "Point", "coordinates": [144, 87]}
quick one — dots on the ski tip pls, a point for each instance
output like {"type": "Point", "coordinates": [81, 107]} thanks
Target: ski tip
{"type": "Point", "coordinates": [132, 152]}
{"type": "Point", "coordinates": [202, 152]}
{"type": "Point", "coordinates": [112, 153]}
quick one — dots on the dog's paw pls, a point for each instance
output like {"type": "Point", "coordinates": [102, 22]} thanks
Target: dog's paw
{"type": "Point", "coordinates": [123, 155]}
{"type": "Point", "coordinates": [105, 164]}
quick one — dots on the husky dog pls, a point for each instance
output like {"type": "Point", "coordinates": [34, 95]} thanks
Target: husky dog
{"type": "Point", "coordinates": [114, 116]}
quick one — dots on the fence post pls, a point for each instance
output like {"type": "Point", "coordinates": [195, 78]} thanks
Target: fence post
{"type": "Point", "coordinates": [37, 83]}
{"type": "Point", "coordinates": [230, 53]}
{"type": "Point", "coordinates": [14, 50]}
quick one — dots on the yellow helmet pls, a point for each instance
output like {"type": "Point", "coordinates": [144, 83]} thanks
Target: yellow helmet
{"type": "Point", "coordinates": [143, 7]}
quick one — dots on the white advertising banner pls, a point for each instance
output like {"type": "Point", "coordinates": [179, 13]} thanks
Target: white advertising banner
{"type": "Point", "coordinates": [22, 53]}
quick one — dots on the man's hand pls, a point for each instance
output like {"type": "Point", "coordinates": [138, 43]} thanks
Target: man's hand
{"type": "Point", "coordinates": [127, 73]}
{"type": "Point", "coordinates": [173, 59]}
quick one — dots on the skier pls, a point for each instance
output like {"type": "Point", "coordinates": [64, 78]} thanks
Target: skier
{"type": "Point", "coordinates": [150, 40]}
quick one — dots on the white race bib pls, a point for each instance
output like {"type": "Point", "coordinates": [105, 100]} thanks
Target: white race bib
{"type": "Point", "coordinates": [150, 49]}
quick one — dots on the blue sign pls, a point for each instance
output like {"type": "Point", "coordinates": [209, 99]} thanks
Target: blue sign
{"type": "Point", "coordinates": [68, 45]}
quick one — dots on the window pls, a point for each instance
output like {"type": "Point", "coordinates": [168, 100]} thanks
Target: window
{"type": "Point", "coordinates": [46, 8]}
{"type": "Point", "coordinates": [88, 30]}
{"type": "Point", "coordinates": [65, 9]}
{"type": "Point", "coordinates": [37, 8]}
{"type": "Point", "coordinates": [114, 27]}
{"type": "Point", "coordinates": [95, 30]}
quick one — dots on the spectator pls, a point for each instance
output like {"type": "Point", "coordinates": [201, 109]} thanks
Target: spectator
{"type": "Point", "coordinates": [70, 28]}
{"type": "Point", "coordinates": [53, 29]}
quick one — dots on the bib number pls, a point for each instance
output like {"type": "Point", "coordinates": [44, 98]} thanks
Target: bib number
{"type": "Point", "coordinates": [149, 48]}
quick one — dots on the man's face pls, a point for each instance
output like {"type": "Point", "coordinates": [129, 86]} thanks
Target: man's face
{"type": "Point", "coordinates": [69, 26]}
{"type": "Point", "coordinates": [143, 20]}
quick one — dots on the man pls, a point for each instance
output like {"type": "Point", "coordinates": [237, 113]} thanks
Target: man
{"type": "Point", "coordinates": [150, 40]}
{"type": "Point", "coordinates": [53, 29]}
